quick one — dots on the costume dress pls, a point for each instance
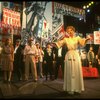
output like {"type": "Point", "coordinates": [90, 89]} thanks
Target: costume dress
{"type": "Point", "coordinates": [73, 76]}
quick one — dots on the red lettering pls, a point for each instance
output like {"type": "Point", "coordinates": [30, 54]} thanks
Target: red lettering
{"type": "Point", "coordinates": [9, 14]}
{"type": "Point", "coordinates": [5, 20]}
{"type": "Point", "coordinates": [9, 20]}
{"type": "Point", "coordinates": [18, 23]}
{"type": "Point", "coordinates": [13, 22]}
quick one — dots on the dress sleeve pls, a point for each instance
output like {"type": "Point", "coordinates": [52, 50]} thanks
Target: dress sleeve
{"type": "Point", "coordinates": [60, 43]}
{"type": "Point", "coordinates": [81, 41]}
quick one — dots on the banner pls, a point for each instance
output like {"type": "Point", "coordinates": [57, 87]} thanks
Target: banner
{"type": "Point", "coordinates": [69, 10]}
{"type": "Point", "coordinates": [92, 38]}
{"type": "Point", "coordinates": [96, 37]}
{"type": "Point", "coordinates": [0, 10]}
{"type": "Point", "coordinates": [10, 23]}
{"type": "Point", "coordinates": [11, 17]}
{"type": "Point", "coordinates": [37, 19]}
{"type": "Point", "coordinates": [45, 29]}
{"type": "Point", "coordinates": [98, 19]}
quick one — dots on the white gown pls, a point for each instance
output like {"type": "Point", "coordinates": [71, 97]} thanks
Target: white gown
{"type": "Point", "coordinates": [73, 77]}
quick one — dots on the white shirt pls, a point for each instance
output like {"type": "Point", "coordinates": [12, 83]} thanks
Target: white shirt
{"type": "Point", "coordinates": [30, 50]}
{"type": "Point", "coordinates": [16, 49]}
{"type": "Point", "coordinates": [59, 52]}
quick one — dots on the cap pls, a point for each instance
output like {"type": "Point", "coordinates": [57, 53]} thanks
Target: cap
{"type": "Point", "coordinates": [30, 39]}
{"type": "Point", "coordinates": [37, 43]}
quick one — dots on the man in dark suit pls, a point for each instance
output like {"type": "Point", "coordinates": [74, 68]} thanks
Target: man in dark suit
{"type": "Point", "coordinates": [59, 58]}
{"type": "Point", "coordinates": [48, 61]}
{"type": "Point", "coordinates": [18, 60]}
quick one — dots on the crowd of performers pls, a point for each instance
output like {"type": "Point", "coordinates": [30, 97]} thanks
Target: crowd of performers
{"type": "Point", "coordinates": [30, 61]}
{"type": "Point", "coordinates": [34, 61]}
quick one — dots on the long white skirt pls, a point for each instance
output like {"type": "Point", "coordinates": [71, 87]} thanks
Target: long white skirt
{"type": "Point", "coordinates": [73, 76]}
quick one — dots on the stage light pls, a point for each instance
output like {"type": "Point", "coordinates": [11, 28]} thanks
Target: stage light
{"type": "Point", "coordinates": [92, 2]}
{"type": "Point", "coordinates": [88, 10]}
{"type": "Point", "coordinates": [87, 6]}
{"type": "Point", "coordinates": [84, 7]}
{"type": "Point", "coordinates": [80, 18]}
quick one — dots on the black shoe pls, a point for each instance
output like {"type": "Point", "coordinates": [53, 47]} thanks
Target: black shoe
{"type": "Point", "coordinates": [77, 93]}
{"type": "Point", "coordinates": [35, 80]}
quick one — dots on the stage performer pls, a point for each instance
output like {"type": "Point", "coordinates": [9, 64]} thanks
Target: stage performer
{"type": "Point", "coordinates": [73, 77]}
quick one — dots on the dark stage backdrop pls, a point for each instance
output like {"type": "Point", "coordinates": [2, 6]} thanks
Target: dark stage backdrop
{"type": "Point", "coordinates": [80, 25]}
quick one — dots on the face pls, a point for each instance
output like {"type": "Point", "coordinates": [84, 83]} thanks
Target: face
{"type": "Point", "coordinates": [48, 46]}
{"type": "Point", "coordinates": [17, 43]}
{"type": "Point", "coordinates": [9, 41]}
{"type": "Point", "coordinates": [70, 32]}
{"type": "Point", "coordinates": [91, 48]}
{"type": "Point", "coordinates": [96, 56]}
{"type": "Point", "coordinates": [37, 45]}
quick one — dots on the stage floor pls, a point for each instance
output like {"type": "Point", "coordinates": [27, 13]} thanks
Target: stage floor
{"type": "Point", "coordinates": [47, 89]}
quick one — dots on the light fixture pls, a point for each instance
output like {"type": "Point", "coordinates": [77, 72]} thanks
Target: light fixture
{"type": "Point", "coordinates": [80, 18]}
{"type": "Point", "coordinates": [88, 10]}
{"type": "Point", "coordinates": [84, 7]}
{"type": "Point", "coordinates": [92, 2]}
{"type": "Point", "coordinates": [87, 6]}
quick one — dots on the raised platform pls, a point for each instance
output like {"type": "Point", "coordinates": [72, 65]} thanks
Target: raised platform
{"type": "Point", "coordinates": [90, 72]}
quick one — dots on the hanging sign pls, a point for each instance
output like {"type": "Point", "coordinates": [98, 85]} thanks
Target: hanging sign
{"type": "Point", "coordinates": [11, 17]}
{"type": "Point", "coordinates": [10, 23]}
{"type": "Point", "coordinates": [96, 37]}
{"type": "Point", "coordinates": [69, 10]}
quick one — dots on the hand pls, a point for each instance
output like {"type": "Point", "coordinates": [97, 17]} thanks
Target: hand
{"type": "Point", "coordinates": [44, 62]}
{"type": "Point", "coordinates": [89, 37]}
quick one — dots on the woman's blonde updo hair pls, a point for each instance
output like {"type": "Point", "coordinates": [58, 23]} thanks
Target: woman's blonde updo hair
{"type": "Point", "coordinates": [70, 27]}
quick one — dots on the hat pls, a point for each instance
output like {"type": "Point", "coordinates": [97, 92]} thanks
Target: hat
{"type": "Point", "coordinates": [30, 39]}
{"type": "Point", "coordinates": [37, 43]}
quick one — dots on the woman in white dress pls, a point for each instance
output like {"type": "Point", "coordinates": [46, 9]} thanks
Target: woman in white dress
{"type": "Point", "coordinates": [73, 77]}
